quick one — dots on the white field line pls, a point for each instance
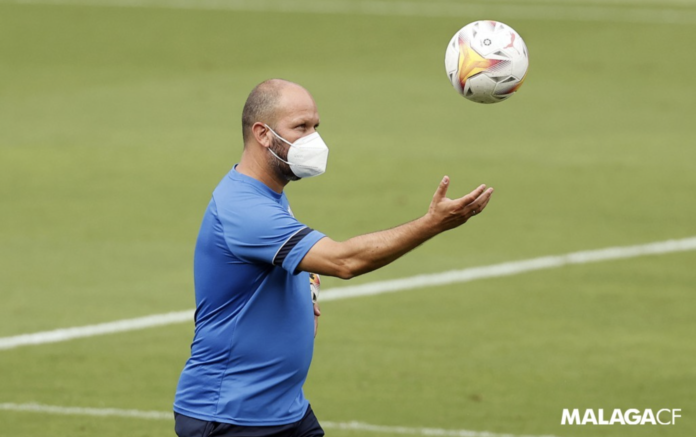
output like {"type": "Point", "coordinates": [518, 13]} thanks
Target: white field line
{"type": "Point", "coordinates": [161, 415]}
{"type": "Point", "coordinates": [79, 411]}
{"type": "Point", "coordinates": [558, 11]}
{"type": "Point", "coordinates": [65, 334]}
{"type": "Point", "coordinates": [366, 427]}
{"type": "Point", "coordinates": [649, 3]}
{"type": "Point", "coordinates": [374, 288]}
{"type": "Point", "coordinates": [510, 268]}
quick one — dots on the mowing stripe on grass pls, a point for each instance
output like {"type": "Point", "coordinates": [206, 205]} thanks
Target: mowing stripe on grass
{"type": "Point", "coordinates": [373, 288]}
{"type": "Point", "coordinates": [548, 11]}
{"type": "Point", "coordinates": [162, 415]}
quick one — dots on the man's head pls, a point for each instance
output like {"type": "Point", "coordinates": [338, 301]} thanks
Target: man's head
{"type": "Point", "coordinates": [289, 110]}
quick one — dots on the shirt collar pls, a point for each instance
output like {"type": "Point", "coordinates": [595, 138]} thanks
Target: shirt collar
{"type": "Point", "coordinates": [237, 176]}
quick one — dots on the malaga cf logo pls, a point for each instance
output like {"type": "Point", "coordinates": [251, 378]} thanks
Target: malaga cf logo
{"type": "Point", "coordinates": [631, 416]}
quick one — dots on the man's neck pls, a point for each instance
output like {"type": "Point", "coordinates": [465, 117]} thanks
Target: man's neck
{"type": "Point", "coordinates": [256, 168]}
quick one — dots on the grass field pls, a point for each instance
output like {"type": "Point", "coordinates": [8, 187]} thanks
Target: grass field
{"type": "Point", "coordinates": [116, 123]}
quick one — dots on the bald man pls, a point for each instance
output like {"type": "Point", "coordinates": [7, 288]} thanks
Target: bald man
{"type": "Point", "coordinates": [255, 317]}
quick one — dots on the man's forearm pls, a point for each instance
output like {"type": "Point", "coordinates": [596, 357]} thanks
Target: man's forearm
{"type": "Point", "coordinates": [369, 252]}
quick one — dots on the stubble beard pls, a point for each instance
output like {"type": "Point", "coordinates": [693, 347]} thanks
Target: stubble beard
{"type": "Point", "coordinates": [280, 168]}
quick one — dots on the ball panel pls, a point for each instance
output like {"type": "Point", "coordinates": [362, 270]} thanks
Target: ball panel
{"type": "Point", "coordinates": [486, 61]}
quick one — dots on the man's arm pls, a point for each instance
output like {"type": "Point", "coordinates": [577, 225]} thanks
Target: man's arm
{"type": "Point", "coordinates": [369, 252]}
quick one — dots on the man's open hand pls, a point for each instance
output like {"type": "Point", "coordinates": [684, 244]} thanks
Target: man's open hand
{"type": "Point", "coordinates": [317, 313]}
{"type": "Point", "coordinates": [447, 213]}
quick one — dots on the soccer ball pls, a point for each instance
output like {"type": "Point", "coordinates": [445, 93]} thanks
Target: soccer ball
{"type": "Point", "coordinates": [486, 61]}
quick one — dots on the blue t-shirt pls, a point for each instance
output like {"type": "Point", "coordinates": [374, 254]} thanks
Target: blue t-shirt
{"type": "Point", "coordinates": [254, 334]}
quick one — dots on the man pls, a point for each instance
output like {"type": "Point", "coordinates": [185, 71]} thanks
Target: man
{"type": "Point", "coordinates": [255, 321]}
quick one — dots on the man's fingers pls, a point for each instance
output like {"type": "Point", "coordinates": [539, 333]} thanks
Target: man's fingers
{"type": "Point", "coordinates": [479, 204]}
{"type": "Point", "coordinates": [441, 191]}
{"type": "Point", "coordinates": [471, 197]}
{"type": "Point", "coordinates": [317, 313]}
{"type": "Point", "coordinates": [488, 198]}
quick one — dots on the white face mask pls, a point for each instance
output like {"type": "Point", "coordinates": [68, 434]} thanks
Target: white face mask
{"type": "Point", "coordinates": [307, 156]}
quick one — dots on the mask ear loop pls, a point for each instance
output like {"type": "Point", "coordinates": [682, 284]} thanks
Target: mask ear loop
{"type": "Point", "coordinates": [279, 137]}
{"type": "Point", "coordinates": [287, 142]}
{"type": "Point", "coordinates": [278, 157]}
{"type": "Point", "coordinates": [288, 163]}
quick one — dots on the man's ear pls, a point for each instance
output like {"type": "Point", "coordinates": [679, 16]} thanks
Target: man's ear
{"type": "Point", "coordinates": [260, 132]}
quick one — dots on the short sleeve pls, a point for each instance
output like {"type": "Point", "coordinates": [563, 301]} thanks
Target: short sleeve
{"type": "Point", "coordinates": [266, 232]}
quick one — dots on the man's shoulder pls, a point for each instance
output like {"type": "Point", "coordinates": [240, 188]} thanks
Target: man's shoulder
{"type": "Point", "coordinates": [237, 199]}
{"type": "Point", "coordinates": [239, 190]}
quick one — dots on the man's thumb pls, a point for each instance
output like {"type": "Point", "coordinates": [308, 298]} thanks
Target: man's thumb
{"type": "Point", "coordinates": [441, 191]}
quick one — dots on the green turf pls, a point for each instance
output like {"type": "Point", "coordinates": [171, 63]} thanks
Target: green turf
{"type": "Point", "coordinates": [116, 124]}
